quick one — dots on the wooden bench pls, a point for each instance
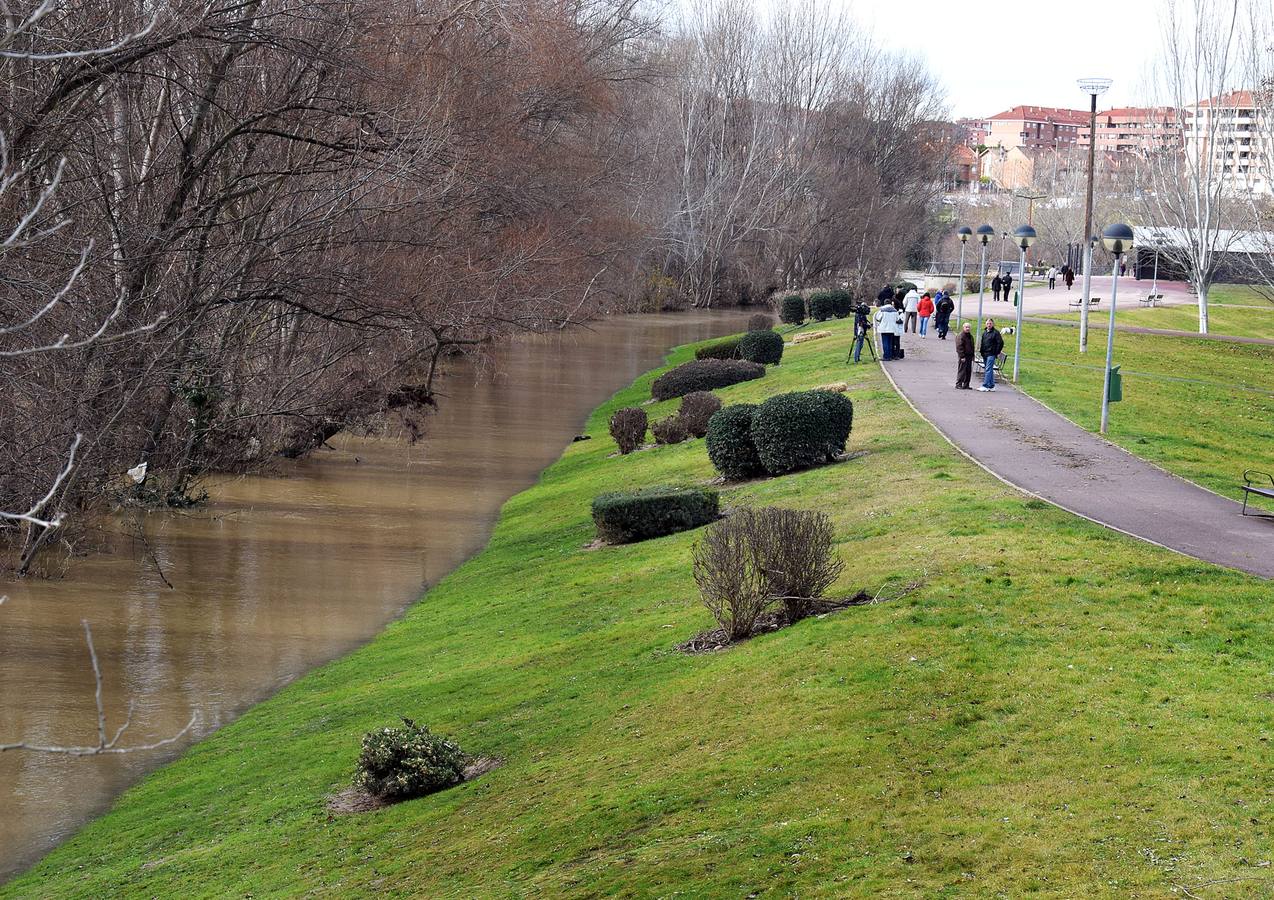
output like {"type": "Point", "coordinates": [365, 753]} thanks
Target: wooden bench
{"type": "Point", "coordinates": [1252, 486]}
{"type": "Point", "coordinates": [1150, 299]}
{"type": "Point", "coordinates": [1078, 302]}
{"type": "Point", "coordinates": [979, 363]}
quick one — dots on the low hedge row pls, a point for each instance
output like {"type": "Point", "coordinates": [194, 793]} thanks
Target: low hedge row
{"type": "Point", "coordinates": [704, 375]}
{"type": "Point", "coordinates": [786, 433]}
{"type": "Point", "coordinates": [628, 516]}
{"type": "Point", "coordinates": [726, 348]}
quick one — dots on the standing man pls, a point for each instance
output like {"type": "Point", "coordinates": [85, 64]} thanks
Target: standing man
{"type": "Point", "coordinates": [964, 358]}
{"type": "Point", "coordinates": [1007, 287]}
{"type": "Point", "coordinates": [886, 295]}
{"type": "Point", "coordinates": [1069, 277]}
{"type": "Point", "coordinates": [910, 305]}
{"type": "Point", "coordinates": [992, 347]}
{"type": "Point", "coordinates": [996, 283]}
{"type": "Point", "coordinates": [862, 324]}
{"type": "Point", "coordinates": [942, 315]}
{"type": "Point", "coordinates": [1052, 277]}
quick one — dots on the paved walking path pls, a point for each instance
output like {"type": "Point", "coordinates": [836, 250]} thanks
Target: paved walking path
{"type": "Point", "coordinates": [1038, 451]}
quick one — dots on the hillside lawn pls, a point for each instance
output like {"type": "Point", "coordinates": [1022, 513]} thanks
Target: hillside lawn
{"type": "Point", "coordinates": [1203, 410]}
{"type": "Point", "coordinates": [1058, 711]}
{"type": "Point", "coordinates": [1234, 310]}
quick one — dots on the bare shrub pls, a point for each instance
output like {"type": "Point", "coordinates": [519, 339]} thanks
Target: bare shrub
{"type": "Point", "coordinates": [628, 428]}
{"type": "Point", "coordinates": [759, 557]}
{"type": "Point", "coordinates": [696, 410]}
{"type": "Point", "coordinates": [670, 430]}
{"type": "Point", "coordinates": [760, 322]}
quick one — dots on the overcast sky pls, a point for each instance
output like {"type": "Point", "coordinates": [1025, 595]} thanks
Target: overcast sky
{"type": "Point", "coordinates": [991, 56]}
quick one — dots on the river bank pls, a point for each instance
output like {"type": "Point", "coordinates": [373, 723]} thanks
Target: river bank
{"type": "Point", "coordinates": [279, 574]}
{"type": "Point", "coordinates": [1057, 709]}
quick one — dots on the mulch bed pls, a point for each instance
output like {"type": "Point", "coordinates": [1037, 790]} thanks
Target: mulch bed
{"type": "Point", "coordinates": [357, 800]}
{"type": "Point", "coordinates": [717, 639]}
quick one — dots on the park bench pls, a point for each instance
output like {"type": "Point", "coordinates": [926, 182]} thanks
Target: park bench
{"type": "Point", "coordinates": [1150, 299]}
{"type": "Point", "coordinates": [979, 364]}
{"type": "Point", "coordinates": [1079, 302]}
{"type": "Point", "coordinates": [1252, 486]}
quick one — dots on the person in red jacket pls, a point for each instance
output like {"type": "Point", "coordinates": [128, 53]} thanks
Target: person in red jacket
{"type": "Point", "coordinates": [925, 309]}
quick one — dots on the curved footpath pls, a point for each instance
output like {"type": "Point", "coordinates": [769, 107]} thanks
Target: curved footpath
{"type": "Point", "coordinates": [1026, 444]}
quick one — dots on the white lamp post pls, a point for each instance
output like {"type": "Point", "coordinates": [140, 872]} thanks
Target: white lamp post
{"type": "Point", "coordinates": [984, 233]}
{"type": "Point", "coordinates": [1093, 87]}
{"type": "Point", "coordinates": [1024, 236]}
{"type": "Point", "coordinates": [1118, 240]}
{"type": "Point", "coordinates": [965, 232]}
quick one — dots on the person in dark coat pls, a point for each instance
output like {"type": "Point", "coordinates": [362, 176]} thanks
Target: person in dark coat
{"type": "Point", "coordinates": [996, 283]}
{"type": "Point", "coordinates": [886, 295]}
{"type": "Point", "coordinates": [1007, 286]}
{"type": "Point", "coordinates": [992, 345]}
{"type": "Point", "coordinates": [942, 315]}
{"type": "Point", "coordinates": [899, 296]}
{"type": "Point", "coordinates": [862, 325]}
{"type": "Point", "coordinates": [964, 358]}
{"type": "Point", "coordinates": [1069, 277]}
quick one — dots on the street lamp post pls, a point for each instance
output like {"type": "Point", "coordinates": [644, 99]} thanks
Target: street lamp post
{"type": "Point", "coordinates": [1154, 285]}
{"type": "Point", "coordinates": [965, 232]}
{"type": "Point", "coordinates": [1024, 236]}
{"type": "Point", "coordinates": [1093, 87]}
{"type": "Point", "coordinates": [1118, 240]}
{"type": "Point", "coordinates": [984, 233]}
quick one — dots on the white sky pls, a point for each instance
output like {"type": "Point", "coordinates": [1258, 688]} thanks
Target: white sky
{"type": "Point", "coordinates": [994, 54]}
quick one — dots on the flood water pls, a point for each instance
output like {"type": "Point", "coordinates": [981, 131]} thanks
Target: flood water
{"type": "Point", "coordinates": [280, 574]}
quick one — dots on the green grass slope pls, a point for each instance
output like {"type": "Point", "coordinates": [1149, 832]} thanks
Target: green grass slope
{"type": "Point", "coordinates": [1058, 711]}
{"type": "Point", "coordinates": [1235, 321]}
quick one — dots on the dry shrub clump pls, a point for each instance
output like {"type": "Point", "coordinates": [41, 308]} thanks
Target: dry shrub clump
{"type": "Point", "coordinates": [670, 430]}
{"type": "Point", "coordinates": [696, 410]}
{"type": "Point", "coordinates": [758, 559]}
{"type": "Point", "coordinates": [628, 428]}
{"type": "Point", "coordinates": [810, 336]}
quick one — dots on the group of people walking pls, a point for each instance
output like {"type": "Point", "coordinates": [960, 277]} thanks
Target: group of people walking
{"type": "Point", "coordinates": [1067, 275]}
{"type": "Point", "coordinates": [898, 312]}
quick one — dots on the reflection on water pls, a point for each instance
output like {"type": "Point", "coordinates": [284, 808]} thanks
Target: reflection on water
{"type": "Point", "coordinates": [278, 575]}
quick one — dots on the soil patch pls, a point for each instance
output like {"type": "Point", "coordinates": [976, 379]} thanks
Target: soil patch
{"type": "Point", "coordinates": [358, 800]}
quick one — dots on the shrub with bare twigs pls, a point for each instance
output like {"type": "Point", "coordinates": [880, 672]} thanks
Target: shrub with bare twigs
{"type": "Point", "coordinates": [696, 410]}
{"type": "Point", "coordinates": [628, 428]}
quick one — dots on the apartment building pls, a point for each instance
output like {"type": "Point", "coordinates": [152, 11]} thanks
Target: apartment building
{"type": "Point", "coordinates": [1233, 128]}
{"type": "Point", "coordinates": [1139, 130]}
{"type": "Point", "coordinates": [1036, 127]}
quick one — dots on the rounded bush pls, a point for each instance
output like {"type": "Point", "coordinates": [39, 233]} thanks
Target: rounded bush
{"type": "Point", "coordinates": [704, 375]}
{"type": "Point", "coordinates": [821, 307]}
{"type": "Point", "coordinates": [765, 347]}
{"type": "Point", "coordinates": [730, 444]}
{"type": "Point", "coordinates": [842, 304]}
{"type": "Point", "coordinates": [793, 309]}
{"type": "Point", "coordinates": [802, 429]}
{"type": "Point", "coordinates": [727, 348]}
{"type": "Point", "coordinates": [696, 410]}
{"type": "Point", "coordinates": [760, 322]}
{"type": "Point", "coordinates": [399, 763]}
{"type": "Point", "coordinates": [629, 516]}
{"type": "Point", "coordinates": [628, 428]}
{"type": "Point", "coordinates": [670, 430]}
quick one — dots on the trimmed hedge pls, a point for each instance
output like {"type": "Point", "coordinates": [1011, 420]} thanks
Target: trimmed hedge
{"type": "Point", "coordinates": [696, 411]}
{"type": "Point", "coordinates": [906, 286]}
{"type": "Point", "coordinates": [704, 375]}
{"type": "Point", "coordinates": [730, 444]}
{"type": "Point", "coordinates": [727, 348]}
{"type": "Point", "coordinates": [842, 304]}
{"type": "Point", "coordinates": [765, 347]}
{"type": "Point", "coordinates": [802, 429]}
{"type": "Point", "coordinates": [629, 516]}
{"type": "Point", "coordinates": [760, 322]}
{"type": "Point", "coordinates": [821, 306]}
{"type": "Point", "coordinates": [793, 310]}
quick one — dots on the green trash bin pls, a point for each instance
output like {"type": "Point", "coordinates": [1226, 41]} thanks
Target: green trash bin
{"type": "Point", "coordinates": [1116, 391]}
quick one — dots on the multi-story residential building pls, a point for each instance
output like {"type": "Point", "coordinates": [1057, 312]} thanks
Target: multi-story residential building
{"type": "Point", "coordinates": [1036, 126]}
{"type": "Point", "coordinates": [1232, 129]}
{"type": "Point", "coordinates": [974, 131]}
{"type": "Point", "coordinates": [1138, 130]}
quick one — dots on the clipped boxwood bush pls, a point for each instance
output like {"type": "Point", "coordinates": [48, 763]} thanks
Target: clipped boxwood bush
{"type": "Point", "coordinates": [628, 428]}
{"type": "Point", "coordinates": [704, 375]}
{"type": "Point", "coordinates": [628, 516]}
{"type": "Point", "coordinates": [793, 309]}
{"type": "Point", "coordinates": [821, 307]}
{"type": "Point", "coordinates": [727, 348]}
{"type": "Point", "coordinates": [760, 322]}
{"type": "Point", "coordinates": [842, 303]}
{"type": "Point", "coordinates": [411, 761]}
{"type": "Point", "coordinates": [730, 444]}
{"type": "Point", "coordinates": [802, 429]}
{"type": "Point", "coordinates": [765, 347]}
{"type": "Point", "coordinates": [696, 410]}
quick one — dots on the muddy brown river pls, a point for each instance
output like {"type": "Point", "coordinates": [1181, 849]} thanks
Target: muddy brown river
{"type": "Point", "coordinates": [280, 574]}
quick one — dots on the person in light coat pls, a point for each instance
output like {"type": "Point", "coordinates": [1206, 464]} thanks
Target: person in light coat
{"type": "Point", "coordinates": [911, 305]}
{"type": "Point", "coordinates": [884, 322]}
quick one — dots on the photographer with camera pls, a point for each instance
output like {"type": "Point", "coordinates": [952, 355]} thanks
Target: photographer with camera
{"type": "Point", "coordinates": [862, 325]}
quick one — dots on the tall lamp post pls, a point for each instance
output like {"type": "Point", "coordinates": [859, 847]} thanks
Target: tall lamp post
{"type": "Point", "coordinates": [1024, 236]}
{"type": "Point", "coordinates": [1118, 240]}
{"type": "Point", "coordinates": [1093, 87]}
{"type": "Point", "coordinates": [984, 233]}
{"type": "Point", "coordinates": [1154, 285]}
{"type": "Point", "coordinates": [965, 232]}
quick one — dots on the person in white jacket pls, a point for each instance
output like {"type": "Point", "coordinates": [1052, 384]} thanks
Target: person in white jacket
{"type": "Point", "coordinates": [886, 319]}
{"type": "Point", "coordinates": [910, 304]}
{"type": "Point", "coordinates": [1052, 278]}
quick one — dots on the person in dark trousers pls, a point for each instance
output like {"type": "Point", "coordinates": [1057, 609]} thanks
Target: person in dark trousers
{"type": "Point", "coordinates": [996, 283]}
{"type": "Point", "coordinates": [1007, 286]}
{"type": "Point", "coordinates": [862, 325]}
{"type": "Point", "coordinates": [886, 316]}
{"type": "Point", "coordinates": [964, 358]}
{"type": "Point", "coordinates": [899, 296]}
{"type": "Point", "coordinates": [886, 295]}
{"type": "Point", "coordinates": [1069, 277]}
{"type": "Point", "coordinates": [992, 346]}
{"type": "Point", "coordinates": [1052, 278]}
{"type": "Point", "coordinates": [942, 315]}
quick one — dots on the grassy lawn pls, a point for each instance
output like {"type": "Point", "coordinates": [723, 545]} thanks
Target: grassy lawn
{"type": "Point", "coordinates": [1058, 711]}
{"type": "Point", "coordinates": [1237, 321]}
{"type": "Point", "coordinates": [1208, 432]}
